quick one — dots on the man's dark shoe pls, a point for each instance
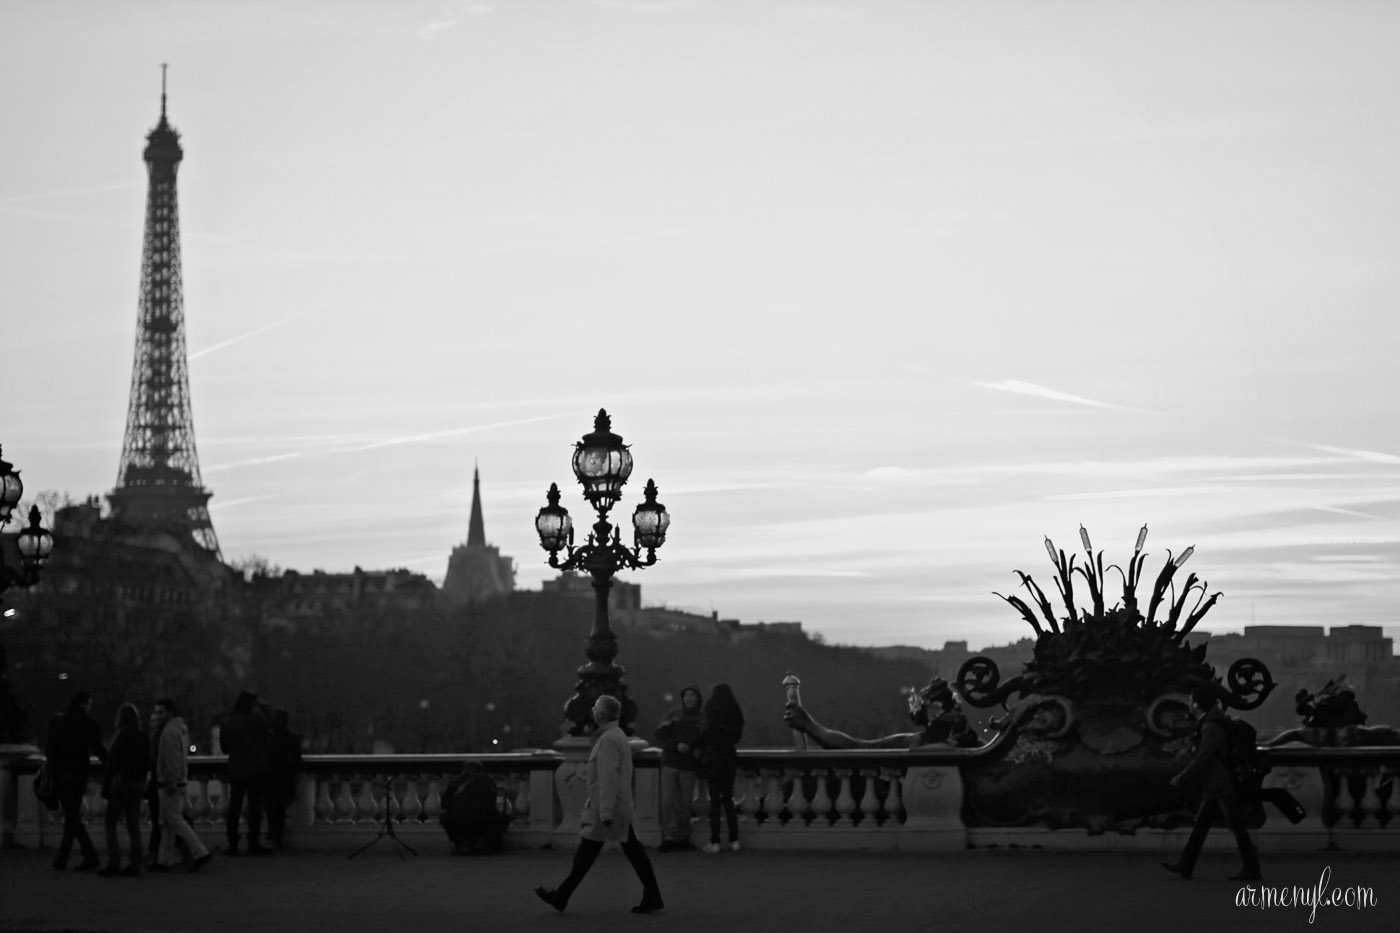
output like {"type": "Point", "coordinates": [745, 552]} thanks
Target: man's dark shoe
{"type": "Point", "coordinates": [1176, 869]}
{"type": "Point", "coordinates": [161, 869]}
{"type": "Point", "coordinates": [669, 845]}
{"type": "Point", "coordinates": [258, 850]}
{"type": "Point", "coordinates": [111, 871]}
{"type": "Point", "coordinates": [1246, 876]}
{"type": "Point", "coordinates": [552, 897]}
{"type": "Point", "coordinates": [131, 871]}
{"type": "Point", "coordinates": [200, 862]}
{"type": "Point", "coordinates": [87, 864]}
{"type": "Point", "coordinates": [59, 864]}
{"type": "Point", "coordinates": [649, 905]}
{"type": "Point", "coordinates": [231, 850]}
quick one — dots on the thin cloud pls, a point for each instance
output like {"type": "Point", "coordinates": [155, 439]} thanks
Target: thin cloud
{"type": "Point", "coordinates": [1039, 391]}
{"type": "Point", "coordinates": [448, 18]}
{"type": "Point", "coordinates": [252, 333]}
{"type": "Point", "coordinates": [643, 6]}
{"type": "Point", "coordinates": [437, 435]}
{"type": "Point", "coordinates": [13, 199]}
{"type": "Point", "coordinates": [1370, 456]}
{"type": "Point", "coordinates": [254, 461]}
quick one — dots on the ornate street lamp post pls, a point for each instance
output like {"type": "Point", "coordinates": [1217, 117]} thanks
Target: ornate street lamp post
{"type": "Point", "coordinates": [34, 544]}
{"type": "Point", "coordinates": [602, 464]}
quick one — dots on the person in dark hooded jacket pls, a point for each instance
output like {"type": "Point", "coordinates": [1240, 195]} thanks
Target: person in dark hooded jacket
{"type": "Point", "coordinates": [244, 737]}
{"type": "Point", "coordinates": [679, 736]}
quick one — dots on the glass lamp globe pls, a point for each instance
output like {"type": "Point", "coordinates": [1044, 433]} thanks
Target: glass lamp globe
{"type": "Point", "coordinates": [602, 464]}
{"type": "Point", "coordinates": [650, 520]}
{"type": "Point", "coordinates": [555, 527]}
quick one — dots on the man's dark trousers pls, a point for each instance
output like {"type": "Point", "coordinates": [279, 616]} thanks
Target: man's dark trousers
{"type": "Point", "coordinates": [636, 853]}
{"type": "Point", "coordinates": [251, 790]}
{"type": "Point", "coordinates": [1205, 815]}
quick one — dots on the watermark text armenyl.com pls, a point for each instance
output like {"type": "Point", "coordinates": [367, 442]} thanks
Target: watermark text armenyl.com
{"type": "Point", "coordinates": [1322, 894]}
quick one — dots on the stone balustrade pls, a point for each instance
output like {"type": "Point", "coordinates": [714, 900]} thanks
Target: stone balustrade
{"type": "Point", "coordinates": [787, 799]}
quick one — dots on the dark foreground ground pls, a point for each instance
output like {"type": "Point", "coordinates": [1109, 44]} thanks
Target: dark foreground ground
{"type": "Point", "coordinates": [764, 892]}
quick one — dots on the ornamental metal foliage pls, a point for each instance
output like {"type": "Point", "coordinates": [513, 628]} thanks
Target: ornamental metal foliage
{"type": "Point", "coordinates": [1114, 649]}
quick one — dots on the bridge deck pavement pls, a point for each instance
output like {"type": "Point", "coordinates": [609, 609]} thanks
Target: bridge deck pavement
{"type": "Point", "coordinates": [987, 889]}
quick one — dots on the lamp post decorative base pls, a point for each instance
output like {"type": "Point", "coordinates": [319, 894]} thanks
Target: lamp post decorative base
{"type": "Point", "coordinates": [591, 685]}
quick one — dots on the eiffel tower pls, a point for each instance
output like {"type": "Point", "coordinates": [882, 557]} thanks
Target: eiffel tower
{"type": "Point", "coordinates": [158, 483]}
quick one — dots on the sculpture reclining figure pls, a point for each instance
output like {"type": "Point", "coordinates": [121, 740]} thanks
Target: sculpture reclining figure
{"type": "Point", "coordinates": [934, 709]}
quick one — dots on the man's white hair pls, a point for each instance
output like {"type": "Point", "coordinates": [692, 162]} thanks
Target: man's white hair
{"type": "Point", "coordinates": [610, 706]}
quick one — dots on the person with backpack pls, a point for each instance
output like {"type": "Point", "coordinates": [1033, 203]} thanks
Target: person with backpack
{"type": "Point", "coordinates": [1210, 767]}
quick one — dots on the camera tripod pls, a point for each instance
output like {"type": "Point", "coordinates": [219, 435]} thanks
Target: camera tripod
{"type": "Point", "coordinates": [388, 829]}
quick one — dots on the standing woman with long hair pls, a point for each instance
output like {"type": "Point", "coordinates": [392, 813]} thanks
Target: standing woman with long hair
{"type": "Point", "coordinates": [124, 785]}
{"type": "Point", "coordinates": [723, 726]}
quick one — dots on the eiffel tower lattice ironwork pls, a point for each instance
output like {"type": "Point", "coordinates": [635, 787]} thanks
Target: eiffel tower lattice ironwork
{"type": "Point", "coordinates": [158, 482]}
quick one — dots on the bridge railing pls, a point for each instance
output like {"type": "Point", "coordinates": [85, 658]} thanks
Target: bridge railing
{"type": "Point", "coordinates": [786, 798]}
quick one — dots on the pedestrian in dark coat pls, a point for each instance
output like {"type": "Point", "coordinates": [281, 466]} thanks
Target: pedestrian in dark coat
{"type": "Point", "coordinates": [73, 740]}
{"type": "Point", "coordinates": [1210, 769]}
{"type": "Point", "coordinates": [123, 785]}
{"type": "Point", "coordinates": [723, 727]}
{"type": "Point", "coordinates": [283, 763]}
{"type": "Point", "coordinates": [244, 737]}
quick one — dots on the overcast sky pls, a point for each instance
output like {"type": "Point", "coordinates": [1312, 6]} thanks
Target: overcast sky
{"type": "Point", "coordinates": [881, 293]}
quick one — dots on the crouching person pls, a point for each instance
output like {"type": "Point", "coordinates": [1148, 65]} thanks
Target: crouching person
{"type": "Point", "coordinates": [469, 813]}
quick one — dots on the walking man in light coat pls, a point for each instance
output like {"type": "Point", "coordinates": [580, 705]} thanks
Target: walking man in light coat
{"type": "Point", "coordinates": [172, 775]}
{"type": "Point", "coordinates": [607, 813]}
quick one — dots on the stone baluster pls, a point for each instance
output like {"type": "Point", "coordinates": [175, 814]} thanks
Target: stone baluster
{"type": "Point", "coordinates": [752, 785]}
{"type": "Point", "coordinates": [1369, 805]}
{"type": "Point", "coordinates": [821, 807]}
{"type": "Point", "coordinates": [323, 808]}
{"type": "Point", "coordinates": [344, 803]}
{"type": "Point", "coordinates": [218, 803]}
{"type": "Point", "coordinates": [845, 802]}
{"type": "Point", "coordinates": [93, 806]}
{"type": "Point", "coordinates": [773, 800]}
{"type": "Point", "coordinates": [412, 806]}
{"type": "Point", "coordinates": [389, 803]}
{"type": "Point", "coordinates": [1355, 781]}
{"type": "Point", "coordinates": [797, 806]}
{"type": "Point", "coordinates": [432, 806]}
{"type": "Point", "coordinates": [1384, 786]}
{"type": "Point", "coordinates": [366, 807]}
{"type": "Point", "coordinates": [203, 806]}
{"type": "Point", "coordinates": [870, 801]}
{"type": "Point", "coordinates": [520, 803]}
{"type": "Point", "coordinates": [894, 804]}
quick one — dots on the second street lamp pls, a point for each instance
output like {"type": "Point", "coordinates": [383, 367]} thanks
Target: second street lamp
{"type": "Point", "coordinates": [602, 464]}
{"type": "Point", "coordinates": [34, 544]}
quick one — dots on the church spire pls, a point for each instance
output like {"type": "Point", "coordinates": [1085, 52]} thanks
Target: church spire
{"type": "Point", "coordinates": [476, 530]}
